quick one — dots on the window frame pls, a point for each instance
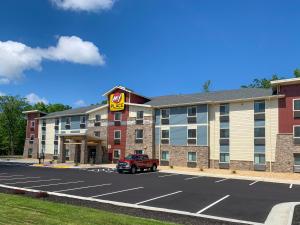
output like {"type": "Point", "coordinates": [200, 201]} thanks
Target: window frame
{"type": "Point", "coordinates": [295, 126]}
{"type": "Point", "coordinates": [57, 120]}
{"type": "Point", "coordinates": [70, 121]}
{"type": "Point", "coordinates": [137, 138]}
{"type": "Point", "coordinates": [259, 154]}
{"type": "Point", "coordinates": [188, 157]}
{"type": "Point", "coordinates": [32, 137]}
{"type": "Point", "coordinates": [194, 138]}
{"type": "Point", "coordinates": [119, 153]}
{"type": "Point", "coordinates": [98, 132]}
{"type": "Point", "coordinates": [165, 118]}
{"type": "Point", "coordinates": [136, 152]}
{"type": "Point", "coordinates": [161, 138]}
{"type": "Point", "coordinates": [32, 123]}
{"type": "Point", "coordinates": [167, 159]}
{"type": "Point", "coordinates": [83, 122]}
{"type": "Point", "coordinates": [258, 101]}
{"type": "Point", "coordinates": [118, 113]}
{"type": "Point", "coordinates": [97, 115]}
{"type": "Point", "coordinates": [224, 104]}
{"type": "Point", "coordinates": [191, 107]}
{"type": "Point", "coordinates": [55, 150]}
{"type": "Point", "coordinates": [295, 110]}
{"type": "Point", "coordinates": [115, 131]}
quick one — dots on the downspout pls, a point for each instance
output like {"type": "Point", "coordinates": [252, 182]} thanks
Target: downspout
{"type": "Point", "coordinates": [270, 138]}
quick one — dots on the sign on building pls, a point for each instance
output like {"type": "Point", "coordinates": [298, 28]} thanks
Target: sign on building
{"type": "Point", "coordinates": [117, 101]}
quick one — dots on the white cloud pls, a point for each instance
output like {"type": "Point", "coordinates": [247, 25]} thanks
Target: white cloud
{"type": "Point", "coordinates": [16, 57]}
{"type": "Point", "coordinates": [2, 93]}
{"type": "Point", "coordinates": [80, 102]}
{"type": "Point", "coordinates": [33, 98]}
{"type": "Point", "coordinates": [84, 5]}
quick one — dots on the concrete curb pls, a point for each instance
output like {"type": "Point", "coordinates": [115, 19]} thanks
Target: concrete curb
{"type": "Point", "coordinates": [203, 174]}
{"type": "Point", "coordinates": [282, 214]}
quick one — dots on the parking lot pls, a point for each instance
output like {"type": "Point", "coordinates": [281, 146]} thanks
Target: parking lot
{"type": "Point", "coordinates": [247, 201]}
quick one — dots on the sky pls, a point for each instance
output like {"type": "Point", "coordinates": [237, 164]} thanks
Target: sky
{"type": "Point", "coordinates": [73, 51]}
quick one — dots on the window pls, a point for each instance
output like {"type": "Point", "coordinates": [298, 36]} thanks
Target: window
{"type": "Point", "coordinates": [43, 137]}
{"type": "Point", "coordinates": [117, 154]}
{"type": "Point", "coordinates": [29, 152]}
{"type": "Point", "coordinates": [68, 123]}
{"type": "Point", "coordinates": [192, 114]}
{"type": "Point", "coordinates": [44, 123]}
{"type": "Point", "coordinates": [43, 149]}
{"type": "Point", "coordinates": [82, 119]}
{"type": "Point", "coordinates": [259, 132]}
{"type": "Point", "coordinates": [138, 151]}
{"type": "Point", "coordinates": [224, 157]}
{"type": "Point", "coordinates": [67, 154]}
{"type": "Point", "coordinates": [165, 116]}
{"type": "Point", "coordinates": [259, 106]}
{"type": "Point", "coordinates": [32, 123]}
{"type": "Point", "coordinates": [97, 121]}
{"type": "Point", "coordinates": [55, 150]}
{"type": "Point", "coordinates": [31, 140]}
{"type": "Point", "coordinates": [259, 159]}
{"type": "Point", "coordinates": [297, 134]}
{"type": "Point", "coordinates": [192, 136]}
{"type": "Point", "coordinates": [97, 133]}
{"type": "Point", "coordinates": [139, 134]}
{"type": "Point", "coordinates": [139, 117]}
{"type": "Point", "coordinates": [296, 108]}
{"type": "Point", "coordinates": [297, 159]}
{"type": "Point", "coordinates": [224, 133]}
{"type": "Point", "coordinates": [165, 156]}
{"type": "Point", "coordinates": [117, 137]}
{"type": "Point", "coordinates": [57, 122]}
{"type": "Point", "coordinates": [165, 135]}
{"type": "Point", "coordinates": [55, 138]}
{"type": "Point", "coordinates": [117, 116]}
{"type": "Point", "coordinates": [224, 109]}
{"type": "Point", "coordinates": [192, 157]}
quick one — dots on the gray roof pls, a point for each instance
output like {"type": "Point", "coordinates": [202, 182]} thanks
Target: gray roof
{"type": "Point", "coordinates": [72, 112]}
{"type": "Point", "coordinates": [218, 96]}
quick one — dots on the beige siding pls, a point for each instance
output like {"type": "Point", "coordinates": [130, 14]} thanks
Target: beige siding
{"type": "Point", "coordinates": [134, 109]}
{"type": "Point", "coordinates": [50, 133]}
{"type": "Point", "coordinates": [271, 128]}
{"type": "Point", "coordinates": [102, 112]}
{"type": "Point", "coordinates": [214, 131]}
{"type": "Point", "coordinates": [241, 131]}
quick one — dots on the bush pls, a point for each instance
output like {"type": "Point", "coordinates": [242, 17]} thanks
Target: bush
{"type": "Point", "coordinates": [171, 167]}
{"type": "Point", "coordinates": [76, 164]}
{"type": "Point", "coordinates": [42, 195]}
{"type": "Point", "coordinates": [233, 172]}
{"type": "Point", "coordinates": [18, 192]}
{"type": "Point", "coordinates": [201, 168]}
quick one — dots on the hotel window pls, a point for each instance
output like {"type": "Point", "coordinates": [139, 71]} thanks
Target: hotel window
{"type": "Point", "coordinates": [165, 156]}
{"type": "Point", "coordinates": [117, 154]}
{"type": "Point", "coordinates": [44, 123]}
{"type": "Point", "coordinates": [56, 125]}
{"type": "Point", "coordinates": [165, 136]}
{"type": "Point", "coordinates": [139, 135]}
{"type": "Point", "coordinates": [32, 123]}
{"type": "Point", "coordinates": [30, 153]}
{"type": "Point", "coordinates": [297, 108]}
{"type": "Point", "coordinates": [297, 159]}
{"type": "Point", "coordinates": [192, 136]}
{"type": "Point", "coordinates": [192, 157]}
{"type": "Point", "coordinates": [97, 122]}
{"type": "Point", "coordinates": [117, 137]}
{"type": "Point", "coordinates": [43, 149]}
{"type": "Point", "coordinates": [55, 153]}
{"type": "Point", "coordinates": [117, 116]}
{"type": "Point", "coordinates": [97, 133]}
{"type": "Point", "coordinates": [43, 137]}
{"type": "Point", "coordinates": [82, 122]}
{"type": "Point", "coordinates": [165, 116]}
{"type": "Point", "coordinates": [259, 133]}
{"type": "Point", "coordinates": [31, 140]}
{"type": "Point", "coordinates": [67, 154]}
{"type": "Point", "coordinates": [192, 115]}
{"type": "Point", "coordinates": [297, 134]}
{"type": "Point", "coordinates": [68, 123]}
{"type": "Point", "coordinates": [139, 152]}
{"type": "Point", "coordinates": [139, 117]}
{"type": "Point", "coordinates": [224, 158]}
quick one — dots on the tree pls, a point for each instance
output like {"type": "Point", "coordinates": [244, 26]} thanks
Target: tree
{"type": "Point", "coordinates": [57, 107]}
{"type": "Point", "coordinates": [206, 86]}
{"type": "Point", "coordinates": [297, 73]}
{"type": "Point", "coordinates": [12, 123]}
{"type": "Point", "coordinates": [262, 83]}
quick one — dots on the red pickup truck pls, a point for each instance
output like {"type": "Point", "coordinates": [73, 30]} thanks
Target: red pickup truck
{"type": "Point", "coordinates": [134, 162]}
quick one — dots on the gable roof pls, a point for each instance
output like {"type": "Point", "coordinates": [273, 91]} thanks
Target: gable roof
{"type": "Point", "coordinates": [124, 89]}
{"type": "Point", "coordinates": [211, 97]}
{"type": "Point", "coordinates": [72, 112]}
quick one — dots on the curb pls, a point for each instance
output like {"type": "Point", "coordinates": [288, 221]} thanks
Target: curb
{"type": "Point", "coordinates": [282, 214]}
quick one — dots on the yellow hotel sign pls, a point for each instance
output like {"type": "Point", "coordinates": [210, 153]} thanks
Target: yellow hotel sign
{"type": "Point", "coordinates": [116, 101]}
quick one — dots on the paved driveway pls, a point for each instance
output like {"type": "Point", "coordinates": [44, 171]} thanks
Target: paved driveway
{"type": "Point", "coordinates": [249, 201]}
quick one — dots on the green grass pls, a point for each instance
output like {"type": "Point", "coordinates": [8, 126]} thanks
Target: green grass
{"type": "Point", "coordinates": [24, 210]}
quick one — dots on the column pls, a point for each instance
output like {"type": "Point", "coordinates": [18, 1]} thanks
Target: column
{"type": "Point", "coordinates": [62, 155]}
{"type": "Point", "coordinates": [83, 152]}
{"type": "Point", "coordinates": [99, 153]}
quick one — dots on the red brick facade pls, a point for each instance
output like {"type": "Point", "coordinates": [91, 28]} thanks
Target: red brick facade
{"type": "Point", "coordinates": [286, 116]}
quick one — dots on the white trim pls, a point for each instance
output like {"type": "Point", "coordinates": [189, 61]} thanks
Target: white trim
{"type": "Point", "coordinates": [139, 105]}
{"type": "Point", "coordinates": [161, 134]}
{"type": "Point", "coordinates": [85, 119]}
{"type": "Point", "coordinates": [161, 118]}
{"type": "Point", "coordinates": [33, 111]}
{"type": "Point", "coordinates": [136, 138]}
{"type": "Point", "coordinates": [187, 135]}
{"type": "Point", "coordinates": [297, 110]}
{"type": "Point", "coordinates": [165, 160]}
{"type": "Point", "coordinates": [117, 87]}
{"type": "Point", "coordinates": [115, 135]}
{"type": "Point", "coordinates": [188, 156]}
{"type": "Point", "coordinates": [115, 113]}
{"type": "Point", "coordinates": [187, 112]}
{"type": "Point", "coordinates": [119, 152]}
{"type": "Point", "coordinates": [98, 108]}
{"type": "Point", "coordinates": [294, 131]}
{"type": "Point", "coordinates": [285, 81]}
{"type": "Point", "coordinates": [182, 125]}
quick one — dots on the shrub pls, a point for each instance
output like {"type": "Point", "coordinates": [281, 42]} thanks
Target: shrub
{"type": "Point", "coordinates": [233, 172]}
{"type": "Point", "coordinates": [171, 167]}
{"type": "Point", "coordinates": [201, 168]}
{"type": "Point", "coordinates": [42, 194]}
{"type": "Point", "coordinates": [19, 192]}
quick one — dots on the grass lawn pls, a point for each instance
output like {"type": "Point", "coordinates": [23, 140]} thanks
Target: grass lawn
{"type": "Point", "coordinates": [24, 210]}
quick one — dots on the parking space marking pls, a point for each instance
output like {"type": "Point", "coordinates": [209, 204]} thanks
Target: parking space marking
{"type": "Point", "coordinates": [191, 178]}
{"type": "Point", "coordinates": [11, 176]}
{"type": "Point", "coordinates": [174, 174]}
{"type": "Point", "coordinates": [85, 187]}
{"type": "Point", "coordinates": [146, 173]}
{"type": "Point", "coordinates": [253, 183]}
{"type": "Point", "coordinates": [46, 185]}
{"type": "Point", "coordinates": [212, 204]}
{"type": "Point", "coordinates": [32, 181]}
{"type": "Point", "coordinates": [162, 196]}
{"type": "Point", "coordinates": [291, 186]}
{"type": "Point", "coordinates": [3, 173]}
{"type": "Point", "coordinates": [115, 192]}
{"type": "Point", "coordinates": [19, 178]}
{"type": "Point", "coordinates": [218, 181]}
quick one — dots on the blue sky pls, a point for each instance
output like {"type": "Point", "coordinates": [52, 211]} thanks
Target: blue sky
{"type": "Point", "coordinates": [155, 47]}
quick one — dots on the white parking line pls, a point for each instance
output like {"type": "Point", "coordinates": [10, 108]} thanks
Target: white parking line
{"type": "Point", "coordinates": [3, 173]}
{"type": "Point", "coordinates": [169, 175]}
{"type": "Point", "coordinates": [19, 178]}
{"type": "Point", "coordinates": [253, 183]}
{"type": "Point", "coordinates": [158, 197]}
{"type": "Point", "coordinates": [291, 186]}
{"type": "Point", "coordinates": [32, 181]}
{"type": "Point", "coordinates": [212, 204]}
{"type": "Point", "coordinates": [191, 178]}
{"type": "Point", "coordinates": [11, 176]}
{"type": "Point", "coordinates": [71, 189]}
{"type": "Point", "coordinates": [115, 192]}
{"type": "Point", "coordinates": [46, 185]}
{"type": "Point", "coordinates": [218, 181]}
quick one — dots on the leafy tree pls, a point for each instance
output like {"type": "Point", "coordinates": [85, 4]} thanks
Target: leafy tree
{"type": "Point", "coordinates": [206, 86]}
{"type": "Point", "coordinates": [262, 83]}
{"type": "Point", "coordinates": [57, 107]}
{"type": "Point", "coordinates": [297, 73]}
{"type": "Point", "coordinates": [12, 123]}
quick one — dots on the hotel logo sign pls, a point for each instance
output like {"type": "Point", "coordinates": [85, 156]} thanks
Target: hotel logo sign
{"type": "Point", "coordinates": [117, 102]}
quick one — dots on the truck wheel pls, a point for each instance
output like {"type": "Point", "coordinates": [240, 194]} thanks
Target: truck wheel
{"type": "Point", "coordinates": [133, 170]}
{"type": "Point", "coordinates": [120, 171]}
{"type": "Point", "coordinates": [153, 168]}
